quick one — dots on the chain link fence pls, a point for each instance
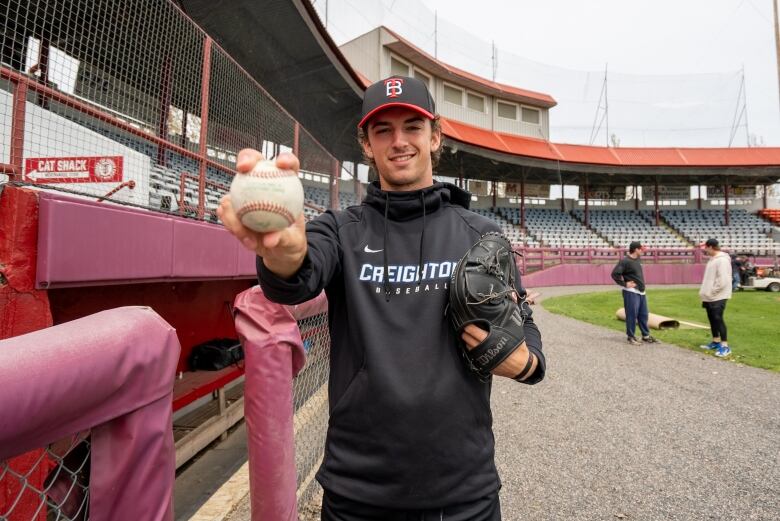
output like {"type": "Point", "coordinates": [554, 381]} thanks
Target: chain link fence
{"type": "Point", "coordinates": [129, 101]}
{"type": "Point", "coordinates": [50, 484]}
{"type": "Point", "coordinates": [310, 401]}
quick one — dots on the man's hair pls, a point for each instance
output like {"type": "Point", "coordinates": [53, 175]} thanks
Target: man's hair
{"type": "Point", "coordinates": [362, 137]}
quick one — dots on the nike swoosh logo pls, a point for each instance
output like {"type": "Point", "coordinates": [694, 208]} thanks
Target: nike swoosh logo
{"type": "Point", "coordinates": [369, 250]}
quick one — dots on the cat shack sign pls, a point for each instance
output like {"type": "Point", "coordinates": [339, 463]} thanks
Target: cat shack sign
{"type": "Point", "coordinates": [100, 169]}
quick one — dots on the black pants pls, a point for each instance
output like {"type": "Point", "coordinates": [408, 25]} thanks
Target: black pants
{"type": "Point", "coordinates": [715, 312]}
{"type": "Point", "coordinates": [339, 508]}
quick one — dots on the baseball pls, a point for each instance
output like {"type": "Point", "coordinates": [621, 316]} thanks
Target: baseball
{"type": "Point", "coordinates": [267, 199]}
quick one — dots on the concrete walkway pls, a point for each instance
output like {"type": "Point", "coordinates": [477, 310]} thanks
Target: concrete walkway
{"type": "Point", "coordinates": [651, 432]}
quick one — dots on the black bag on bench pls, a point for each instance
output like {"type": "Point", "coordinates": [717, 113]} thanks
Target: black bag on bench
{"type": "Point", "coordinates": [216, 354]}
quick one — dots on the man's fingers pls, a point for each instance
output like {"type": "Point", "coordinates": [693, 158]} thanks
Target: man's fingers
{"type": "Point", "coordinates": [473, 336]}
{"type": "Point", "coordinates": [233, 224]}
{"type": "Point", "coordinates": [271, 239]}
{"type": "Point", "coordinates": [476, 331]}
{"type": "Point", "coordinates": [247, 159]}
{"type": "Point", "coordinates": [288, 161]}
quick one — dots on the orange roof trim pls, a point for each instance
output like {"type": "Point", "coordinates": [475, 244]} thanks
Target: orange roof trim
{"type": "Point", "coordinates": [583, 154]}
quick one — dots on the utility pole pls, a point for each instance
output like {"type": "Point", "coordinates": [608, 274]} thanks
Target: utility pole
{"type": "Point", "coordinates": [495, 60]}
{"type": "Point", "coordinates": [436, 34]}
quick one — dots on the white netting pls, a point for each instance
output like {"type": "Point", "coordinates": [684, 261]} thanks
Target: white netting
{"type": "Point", "coordinates": [644, 110]}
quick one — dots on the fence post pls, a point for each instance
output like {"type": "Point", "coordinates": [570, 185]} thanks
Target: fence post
{"type": "Point", "coordinates": [204, 125]}
{"type": "Point", "coordinates": [273, 356]}
{"type": "Point", "coordinates": [18, 116]}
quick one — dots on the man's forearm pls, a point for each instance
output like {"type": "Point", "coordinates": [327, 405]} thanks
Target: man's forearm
{"type": "Point", "coordinates": [284, 268]}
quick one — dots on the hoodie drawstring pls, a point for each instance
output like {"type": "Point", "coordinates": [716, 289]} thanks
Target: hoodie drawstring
{"type": "Point", "coordinates": [387, 286]}
{"type": "Point", "coordinates": [422, 241]}
{"type": "Point", "coordinates": [386, 276]}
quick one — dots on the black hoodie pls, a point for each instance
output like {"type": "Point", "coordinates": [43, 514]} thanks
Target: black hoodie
{"type": "Point", "coordinates": [410, 427]}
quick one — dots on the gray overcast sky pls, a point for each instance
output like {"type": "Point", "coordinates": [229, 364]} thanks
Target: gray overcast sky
{"type": "Point", "coordinates": [645, 37]}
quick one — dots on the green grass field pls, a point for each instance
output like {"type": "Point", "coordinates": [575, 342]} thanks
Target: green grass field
{"type": "Point", "coordinates": [752, 318]}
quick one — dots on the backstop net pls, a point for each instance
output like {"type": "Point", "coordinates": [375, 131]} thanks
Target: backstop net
{"type": "Point", "coordinates": [130, 101]}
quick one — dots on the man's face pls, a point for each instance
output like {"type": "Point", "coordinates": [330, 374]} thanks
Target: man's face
{"type": "Point", "coordinates": [400, 142]}
{"type": "Point", "coordinates": [638, 252]}
{"type": "Point", "coordinates": [709, 251]}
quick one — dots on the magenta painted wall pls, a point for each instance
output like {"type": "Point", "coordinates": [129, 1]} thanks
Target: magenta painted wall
{"type": "Point", "coordinates": [595, 274]}
{"type": "Point", "coordinates": [81, 242]}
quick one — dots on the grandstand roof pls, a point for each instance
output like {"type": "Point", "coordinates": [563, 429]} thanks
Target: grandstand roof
{"type": "Point", "coordinates": [419, 57]}
{"type": "Point", "coordinates": [285, 47]}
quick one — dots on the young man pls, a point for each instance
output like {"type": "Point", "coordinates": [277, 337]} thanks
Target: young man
{"type": "Point", "coordinates": [628, 273]}
{"type": "Point", "coordinates": [410, 432]}
{"type": "Point", "coordinates": [715, 292]}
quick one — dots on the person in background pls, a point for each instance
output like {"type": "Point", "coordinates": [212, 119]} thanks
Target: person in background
{"type": "Point", "coordinates": [715, 292]}
{"type": "Point", "coordinates": [628, 273]}
{"type": "Point", "coordinates": [736, 268]}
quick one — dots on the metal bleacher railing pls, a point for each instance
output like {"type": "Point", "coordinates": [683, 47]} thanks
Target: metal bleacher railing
{"type": "Point", "coordinates": [132, 99]}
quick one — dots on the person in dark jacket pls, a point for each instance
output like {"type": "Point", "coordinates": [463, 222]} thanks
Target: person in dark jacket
{"type": "Point", "coordinates": [628, 273]}
{"type": "Point", "coordinates": [410, 431]}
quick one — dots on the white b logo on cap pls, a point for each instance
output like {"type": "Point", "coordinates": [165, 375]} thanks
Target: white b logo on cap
{"type": "Point", "coordinates": [393, 86]}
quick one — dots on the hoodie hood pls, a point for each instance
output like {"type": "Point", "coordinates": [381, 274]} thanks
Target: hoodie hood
{"type": "Point", "coordinates": [405, 206]}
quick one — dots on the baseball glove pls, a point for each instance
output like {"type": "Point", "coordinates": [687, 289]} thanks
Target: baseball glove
{"type": "Point", "coordinates": [481, 293]}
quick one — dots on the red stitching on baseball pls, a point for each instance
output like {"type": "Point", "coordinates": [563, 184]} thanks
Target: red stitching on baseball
{"type": "Point", "coordinates": [266, 207]}
{"type": "Point", "coordinates": [271, 174]}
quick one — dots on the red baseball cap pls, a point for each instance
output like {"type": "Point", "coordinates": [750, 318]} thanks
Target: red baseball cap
{"type": "Point", "coordinates": [397, 91]}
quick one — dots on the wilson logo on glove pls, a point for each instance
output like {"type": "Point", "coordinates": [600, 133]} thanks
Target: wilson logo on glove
{"type": "Point", "coordinates": [481, 293]}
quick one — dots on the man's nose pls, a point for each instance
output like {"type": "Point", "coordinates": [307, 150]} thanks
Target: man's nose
{"type": "Point", "coordinates": [399, 139]}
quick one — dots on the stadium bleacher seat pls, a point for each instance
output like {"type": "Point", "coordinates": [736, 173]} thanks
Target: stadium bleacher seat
{"type": "Point", "coordinates": [620, 227]}
{"type": "Point", "coordinates": [557, 229]}
{"type": "Point", "coordinates": [511, 230]}
{"type": "Point", "coordinates": [744, 233]}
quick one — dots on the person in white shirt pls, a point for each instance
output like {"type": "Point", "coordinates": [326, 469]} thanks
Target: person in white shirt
{"type": "Point", "coordinates": [715, 292]}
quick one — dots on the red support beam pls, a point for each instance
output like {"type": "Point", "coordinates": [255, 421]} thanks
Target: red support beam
{"type": "Point", "coordinates": [18, 115]}
{"type": "Point", "coordinates": [563, 203]}
{"type": "Point", "coordinates": [204, 125]}
{"type": "Point", "coordinates": [586, 200]}
{"type": "Point", "coordinates": [522, 202]}
{"type": "Point", "coordinates": [636, 198]}
{"type": "Point", "coordinates": [495, 190]}
{"type": "Point", "coordinates": [765, 190]}
{"type": "Point", "coordinates": [296, 138]}
{"type": "Point", "coordinates": [656, 202]}
{"type": "Point", "coordinates": [334, 184]}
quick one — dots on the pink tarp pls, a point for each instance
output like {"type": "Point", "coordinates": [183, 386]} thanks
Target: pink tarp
{"type": "Point", "coordinates": [113, 373]}
{"type": "Point", "coordinates": [273, 356]}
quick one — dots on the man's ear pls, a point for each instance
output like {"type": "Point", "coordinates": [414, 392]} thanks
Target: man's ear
{"type": "Point", "coordinates": [435, 140]}
{"type": "Point", "coordinates": [367, 149]}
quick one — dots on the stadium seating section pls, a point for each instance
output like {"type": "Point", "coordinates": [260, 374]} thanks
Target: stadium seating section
{"type": "Point", "coordinates": [619, 228]}
{"type": "Point", "coordinates": [677, 228]}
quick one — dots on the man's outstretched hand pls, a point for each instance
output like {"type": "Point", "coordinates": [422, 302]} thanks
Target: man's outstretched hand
{"type": "Point", "coordinates": [282, 251]}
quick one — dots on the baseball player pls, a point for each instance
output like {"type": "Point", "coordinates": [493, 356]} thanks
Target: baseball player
{"type": "Point", "coordinates": [410, 432]}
